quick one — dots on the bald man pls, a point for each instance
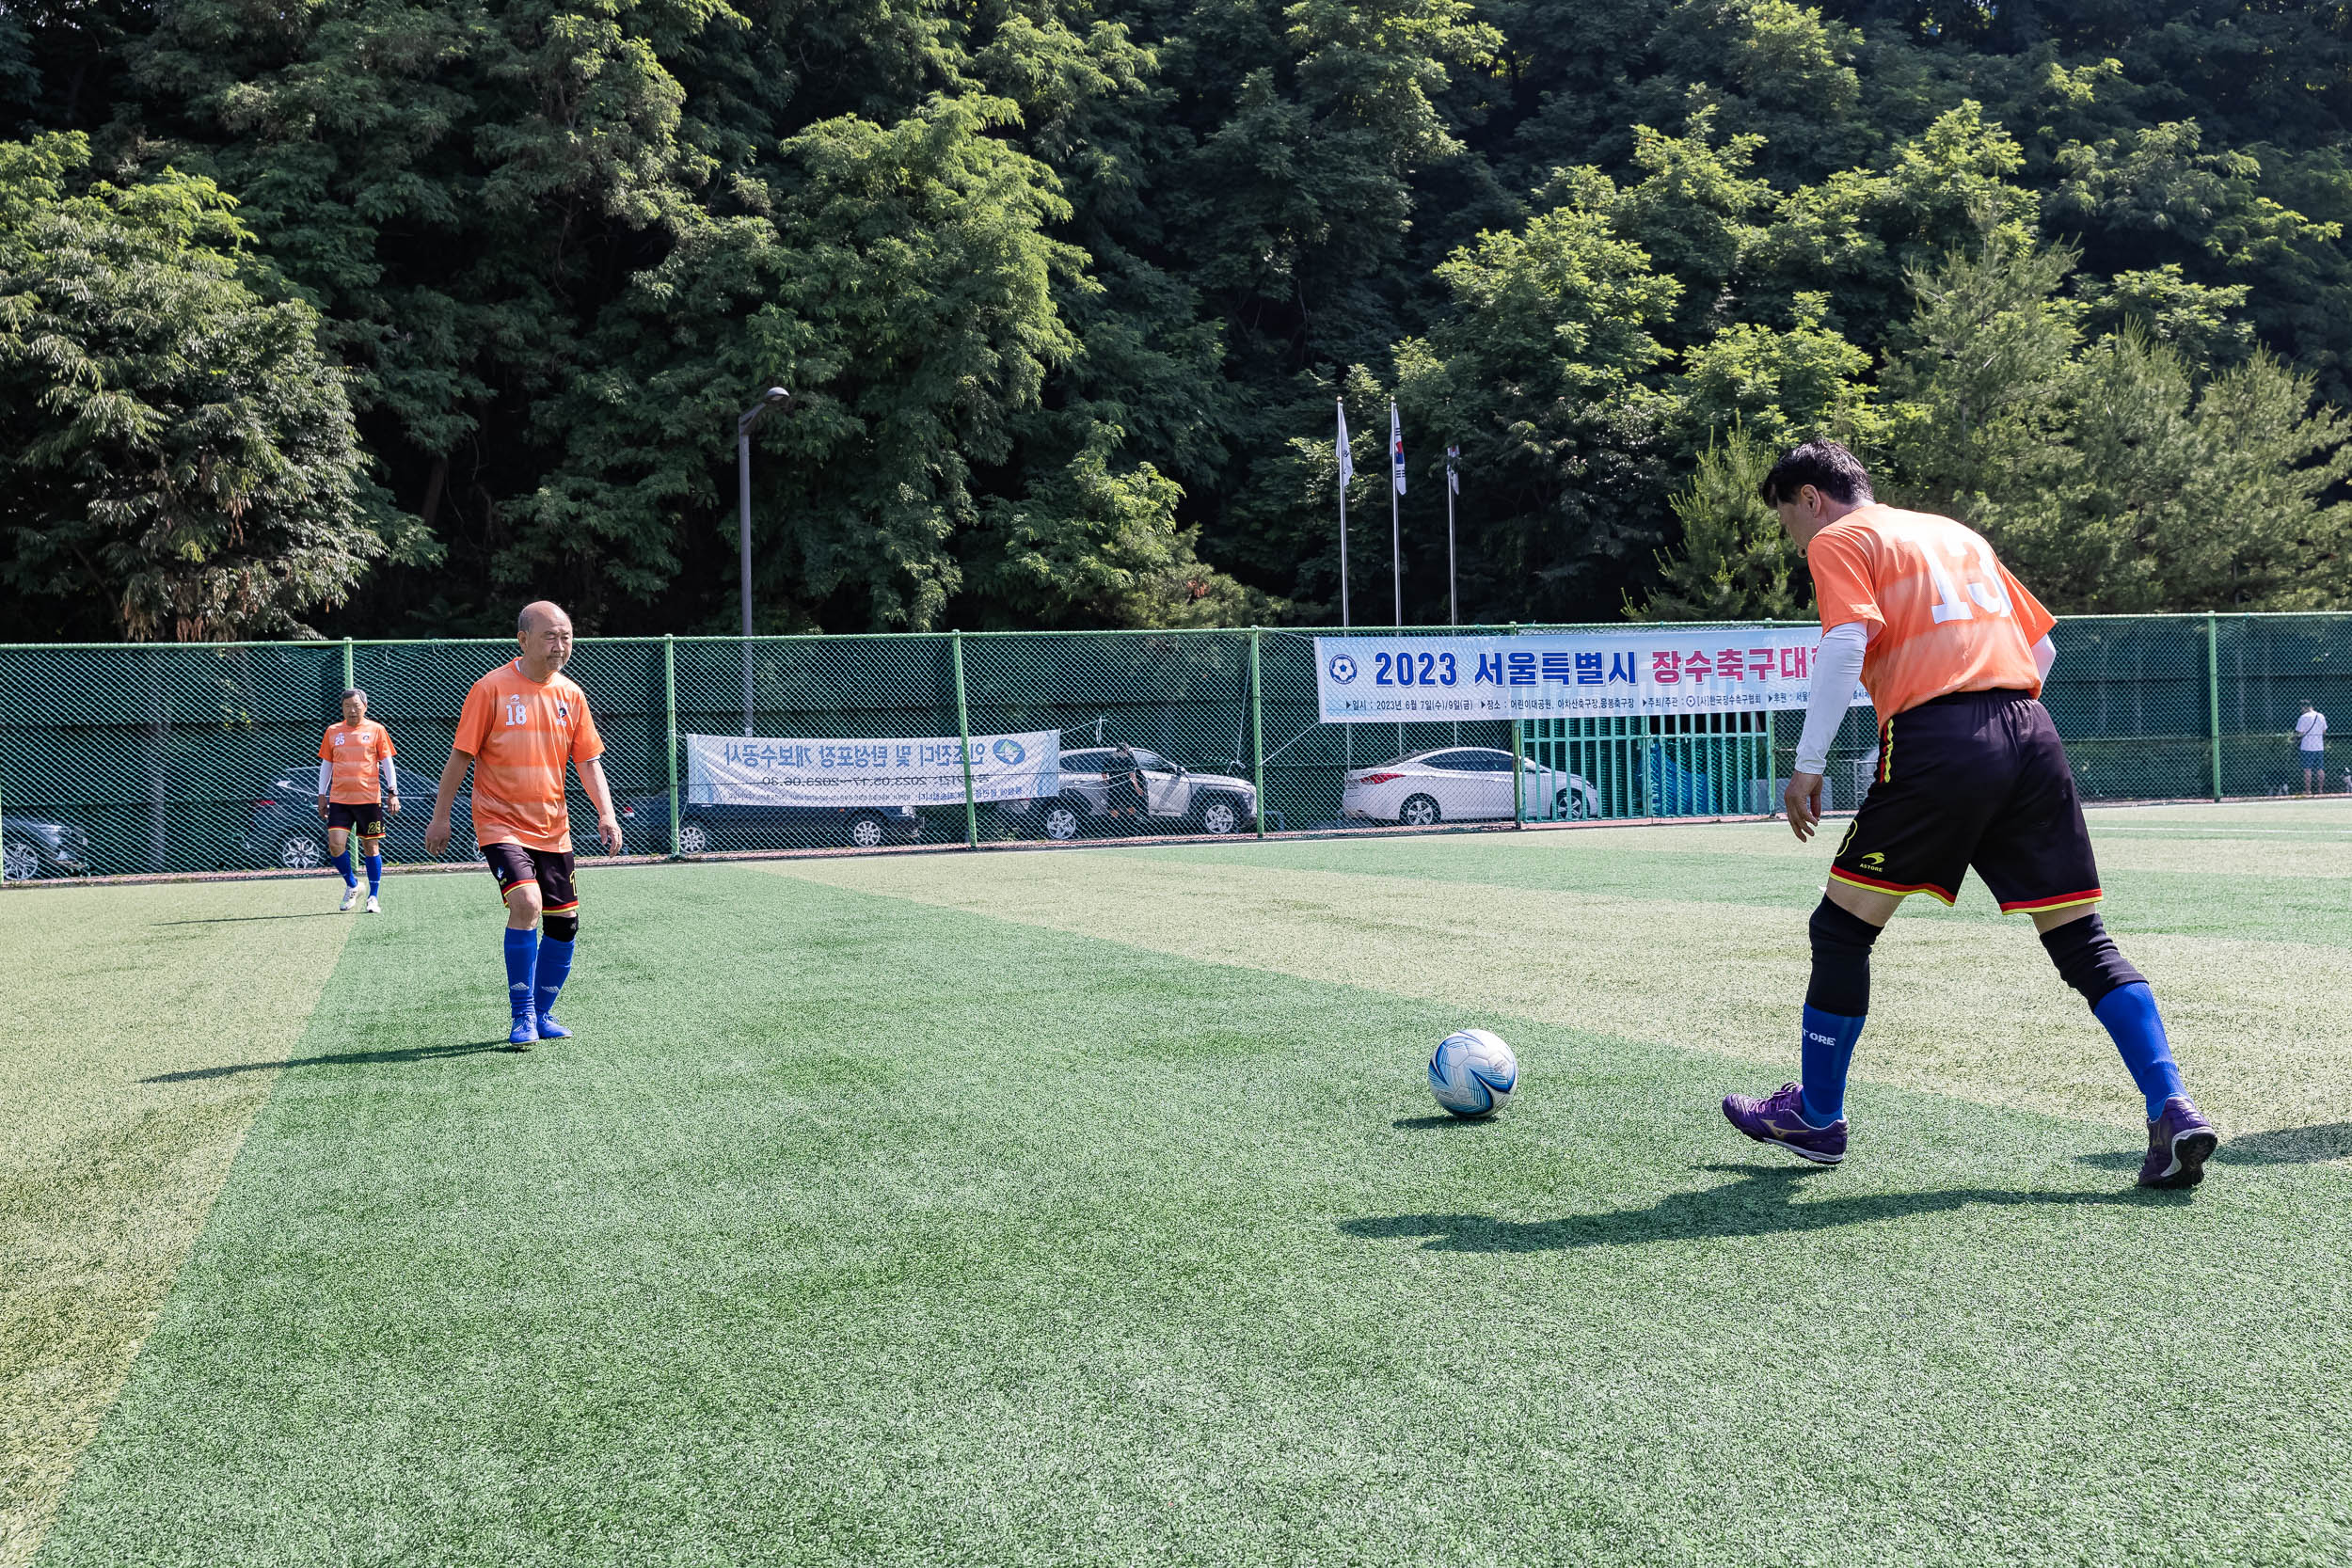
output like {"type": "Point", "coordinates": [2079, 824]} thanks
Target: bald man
{"type": "Point", "coordinates": [521, 723]}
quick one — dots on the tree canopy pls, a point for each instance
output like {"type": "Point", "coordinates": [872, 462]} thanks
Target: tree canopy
{"type": "Point", "coordinates": [372, 316]}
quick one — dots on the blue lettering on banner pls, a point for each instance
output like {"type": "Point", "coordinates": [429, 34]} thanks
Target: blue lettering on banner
{"type": "Point", "coordinates": [1522, 669]}
{"type": "Point", "coordinates": [1621, 667]}
{"type": "Point", "coordinates": [1489, 671]}
{"type": "Point", "coordinates": [1588, 670]}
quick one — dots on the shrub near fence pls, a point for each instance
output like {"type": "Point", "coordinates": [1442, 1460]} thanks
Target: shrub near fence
{"type": "Point", "coordinates": [202, 757]}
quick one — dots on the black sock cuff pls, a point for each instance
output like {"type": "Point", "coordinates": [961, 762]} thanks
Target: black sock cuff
{"type": "Point", "coordinates": [1842, 926]}
{"type": "Point", "coordinates": [1841, 962]}
{"type": "Point", "coordinates": [2089, 960]}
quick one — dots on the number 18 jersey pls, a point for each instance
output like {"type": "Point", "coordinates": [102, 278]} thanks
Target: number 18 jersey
{"type": "Point", "coordinates": [1942, 614]}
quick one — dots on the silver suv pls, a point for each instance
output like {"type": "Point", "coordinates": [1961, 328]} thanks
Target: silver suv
{"type": "Point", "coordinates": [1097, 799]}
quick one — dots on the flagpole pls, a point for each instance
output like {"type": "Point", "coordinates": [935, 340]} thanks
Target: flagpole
{"type": "Point", "coordinates": [1396, 488]}
{"type": "Point", "coordinates": [1452, 604]}
{"type": "Point", "coordinates": [1345, 622]}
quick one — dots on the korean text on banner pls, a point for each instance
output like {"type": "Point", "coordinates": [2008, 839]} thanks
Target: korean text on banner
{"type": "Point", "coordinates": [1367, 680]}
{"type": "Point", "coordinates": [739, 770]}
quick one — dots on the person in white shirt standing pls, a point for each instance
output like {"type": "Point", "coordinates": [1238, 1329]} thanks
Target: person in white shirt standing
{"type": "Point", "coordinates": [2310, 738]}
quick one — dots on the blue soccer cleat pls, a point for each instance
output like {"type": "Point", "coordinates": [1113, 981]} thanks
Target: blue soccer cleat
{"type": "Point", "coordinates": [1779, 1119]}
{"type": "Point", "coordinates": [2179, 1143]}
{"type": "Point", "coordinates": [525, 1031]}
{"type": "Point", "coordinates": [550, 1030]}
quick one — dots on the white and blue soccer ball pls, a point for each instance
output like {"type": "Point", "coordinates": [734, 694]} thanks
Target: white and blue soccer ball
{"type": "Point", "coordinates": [1473, 1073]}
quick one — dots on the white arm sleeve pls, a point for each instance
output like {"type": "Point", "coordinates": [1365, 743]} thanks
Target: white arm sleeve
{"type": "Point", "coordinates": [326, 774]}
{"type": "Point", "coordinates": [1836, 667]}
{"type": "Point", "coordinates": [391, 776]}
{"type": "Point", "coordinates": [2044, 654]}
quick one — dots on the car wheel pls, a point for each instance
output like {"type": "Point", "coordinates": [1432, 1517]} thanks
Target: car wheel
{"type": "Point", "coordinates": [1569, 805]}
{"type": "Point", "coordinates": [1419, 811]}
{"type": "Point", "coordinates": [692, 838]}
{"type": "Point", "coordinates": [302, 852]}
{"type": "Point", "coordinates": [868, 830]}
{"type": "Point", "coordinates": [19, 863]}
{"type": "Point", "coordinates": [1219, 814]}
{"type": "Point", "coordinates": [1062, 822]}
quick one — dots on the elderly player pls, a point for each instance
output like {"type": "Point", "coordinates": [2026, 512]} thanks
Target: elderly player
{"type": "Point", "coordinates": [356, 774]}
{"type": "Point", "coordinates": [520, 725]}
{"type": "Point", "coordinates": [1953, 651]}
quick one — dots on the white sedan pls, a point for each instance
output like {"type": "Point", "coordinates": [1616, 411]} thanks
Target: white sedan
{"type": "Point", "coordinates": [1462, 783]}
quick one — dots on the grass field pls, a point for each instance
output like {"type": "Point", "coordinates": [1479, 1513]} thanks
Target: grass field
{"type": "Point", "coordinates": [1088, 1208]}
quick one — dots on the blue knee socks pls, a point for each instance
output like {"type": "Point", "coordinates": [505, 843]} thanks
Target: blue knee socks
{"type": "Point", "coordinates": [522, 962]}
{"type": "Point", "coordinates": [555, 964]}
{"type": "Point", "coordinates": [341, 861]}
{"type": "Point", "coordinates": [2130, 1015]}
{"type": "Point", "coordinates": [375, 875]}
{"type": "Point", "coordinates": [1827, 1052]}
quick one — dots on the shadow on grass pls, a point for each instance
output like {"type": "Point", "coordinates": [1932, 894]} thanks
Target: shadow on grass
{"type": "Point", "coordinates": [1760, 1204]}
{"type": "Point", "coordinates": [1406, 1124]}
{"type": "Point", "coordinates": [241, 919]}
{"type": "Point", "coordinates": [348, 1058]}
{"type": "Point", "coordinates": [2282, 1145]}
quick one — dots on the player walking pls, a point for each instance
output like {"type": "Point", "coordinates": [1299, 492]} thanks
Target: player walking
{"type": "Point", "coordinates": [356, 773]}
{"type": "Point", "coordinates": [520, 725]}
{"type": "Point", "coordinates": [1970, 772]}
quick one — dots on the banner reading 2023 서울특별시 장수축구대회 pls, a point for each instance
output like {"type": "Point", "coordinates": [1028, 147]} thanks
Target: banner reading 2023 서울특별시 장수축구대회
{"type": "Point", "coordinates": [1362, 680]}
{"type": "Point", "coordinates": [744, 771]}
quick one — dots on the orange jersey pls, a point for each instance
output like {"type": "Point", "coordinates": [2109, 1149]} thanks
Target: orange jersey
{"type": "Point", "coordinates": [521, 734]}
{"type": "Point", "coordinates": [1941, 613]}
{"type": "Point", "coordinates": [354, 754]}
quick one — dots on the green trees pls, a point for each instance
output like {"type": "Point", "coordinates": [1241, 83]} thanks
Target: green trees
{"type": "Point", "coordinates": [183, 464]}
{"type": "Point", "coordinates": [1065, 288]}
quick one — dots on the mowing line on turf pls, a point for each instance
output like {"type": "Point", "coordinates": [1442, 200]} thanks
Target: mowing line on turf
{"type": "Point", "coordinates": [1960, 1005]}
{"type": "Point", "coordinates": [854, 1229]}
{"type": "Point", "coordinates": [116, 1131]}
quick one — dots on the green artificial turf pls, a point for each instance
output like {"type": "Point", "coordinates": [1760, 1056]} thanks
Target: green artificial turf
{"type": "Point", "coordinates": [855, 1228]}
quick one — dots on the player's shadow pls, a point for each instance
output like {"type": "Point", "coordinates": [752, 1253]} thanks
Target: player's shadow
{"type": "Point", "coordinates": [348, 1058]}
{"type": "Point", "coordinates": [2282, 1145]}
{"type": "Point", "coordinates": [1407, 1124]}
{"type": "Point", "coordinates": [241, 919]}
{"type": "Point", "coordinates": [1762, 1203]}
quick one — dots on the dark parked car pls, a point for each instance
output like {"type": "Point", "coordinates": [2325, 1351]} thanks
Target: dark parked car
{"type": "Point", "coordinates": [286, 830]}
{"type": "Point", "coordinates": [703, 827]}
{"type": "Point", "coordinates": [32, 847]}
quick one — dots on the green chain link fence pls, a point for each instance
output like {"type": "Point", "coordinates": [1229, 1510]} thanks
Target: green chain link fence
{"type": "Point", "coordinates": [136, 759]}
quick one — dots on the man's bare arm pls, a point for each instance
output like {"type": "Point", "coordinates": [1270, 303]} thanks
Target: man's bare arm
{"type": "Point", "coordinates": [453, 775]}
{"type": "Point", "coordinates": [600, 795]}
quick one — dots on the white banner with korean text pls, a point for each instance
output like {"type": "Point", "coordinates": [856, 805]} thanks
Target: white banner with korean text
{"type": "Point", "coordinates": [743, 770]}
{"type": "Point", "coordinates": [1368, 680]}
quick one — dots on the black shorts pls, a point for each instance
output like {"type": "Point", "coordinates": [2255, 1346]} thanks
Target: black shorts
{"type": "Point", "coordinates": [366, 819]}
{"type": "Point", "coordinates": [1975, 779]}
{"type": "Point", "coordinates": [513, 864]}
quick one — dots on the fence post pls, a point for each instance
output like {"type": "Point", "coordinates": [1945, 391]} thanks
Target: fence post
{"type": "Point", "coordinates": [1257, 726]}
{"type": "Point", "coordinates": [668, 683]}
{"type": "Point", "coordinates": [350, 674]}
{"type": "Point", "coordinates": [1518, 762]}
{"type": "Point", "coordinates": [2213, 692]}
{"type": "Point", "coordinates": [964, 734]}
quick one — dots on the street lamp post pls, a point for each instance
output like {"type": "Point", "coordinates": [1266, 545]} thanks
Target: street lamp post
{"type": "Point", "coordinates": [775, 397]}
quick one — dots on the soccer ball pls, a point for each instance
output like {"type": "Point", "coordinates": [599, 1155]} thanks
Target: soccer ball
{"type": "Point", "coordinates": [1473, 1073]}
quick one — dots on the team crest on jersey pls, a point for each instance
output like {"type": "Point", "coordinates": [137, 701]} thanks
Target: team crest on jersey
{"type": "Point", "coordinates": [562, 712]}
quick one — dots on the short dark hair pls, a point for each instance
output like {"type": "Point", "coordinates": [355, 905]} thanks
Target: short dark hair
{"type": "Point", "coordinates": [1826, 466]}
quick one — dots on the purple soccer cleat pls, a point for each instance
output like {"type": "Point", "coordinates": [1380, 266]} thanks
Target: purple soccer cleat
{"type": "Point", "coordinates": [2179, 1143]}
{"type": "Point", "coordinates": [1780, 1119]}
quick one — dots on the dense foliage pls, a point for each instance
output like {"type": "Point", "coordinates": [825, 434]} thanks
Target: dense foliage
{"type": "Point", "coordinates": [376, 315]}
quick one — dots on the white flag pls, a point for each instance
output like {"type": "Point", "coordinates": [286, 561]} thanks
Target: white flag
{"type": "Point", "coordinates": [1348, 458]}
{"type": "Point", "coordinates": [1396, 446]}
